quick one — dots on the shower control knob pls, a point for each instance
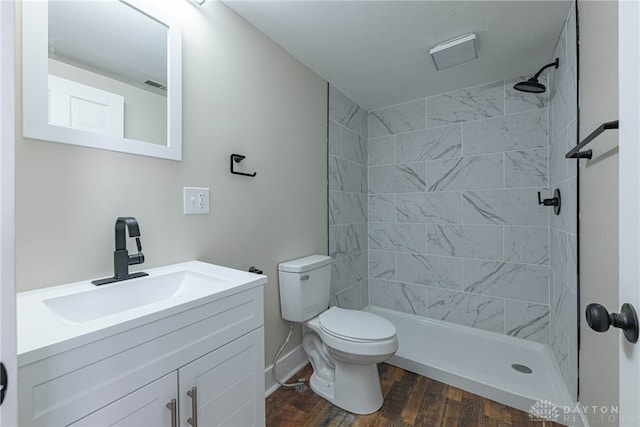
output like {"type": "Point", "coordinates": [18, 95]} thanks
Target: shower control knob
{"type": "Point", "coordinates": [554, 201]}
{"type": "Point", "coordinates": [599, 319]}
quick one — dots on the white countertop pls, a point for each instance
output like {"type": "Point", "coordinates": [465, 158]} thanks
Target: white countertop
{"type": "Point", "coordinates": [42, 333]}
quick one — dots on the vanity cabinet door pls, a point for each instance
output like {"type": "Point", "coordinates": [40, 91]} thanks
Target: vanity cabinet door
{"type": "Point", "coordinates": [145, 407]}
{"type": "Point", "coordinates": [228, 385]}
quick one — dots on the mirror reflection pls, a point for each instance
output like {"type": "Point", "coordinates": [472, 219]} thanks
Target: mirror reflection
{"type": "Point", "coordinates": [107, 70]}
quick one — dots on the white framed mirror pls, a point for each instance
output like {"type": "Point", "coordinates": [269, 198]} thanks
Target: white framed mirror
{"type": "Point", "coordinates": [104, 74]}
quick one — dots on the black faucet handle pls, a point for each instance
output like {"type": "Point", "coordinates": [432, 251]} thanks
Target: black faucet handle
{"type": "Point", "coordinates": [136, 259]}
{"type": "Point", "coordinates": [139, 257]}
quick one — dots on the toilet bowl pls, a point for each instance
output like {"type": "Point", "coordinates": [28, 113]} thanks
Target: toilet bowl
{"type": "Point", "coordinates": [344, 346]}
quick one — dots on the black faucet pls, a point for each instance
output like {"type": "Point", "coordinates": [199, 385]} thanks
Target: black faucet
{"type": "Point", "coordinates": [121, 258]}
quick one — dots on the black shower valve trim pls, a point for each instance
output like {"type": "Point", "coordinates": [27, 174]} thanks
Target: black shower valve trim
{"type": "Point", "coordinates": [554, 201]}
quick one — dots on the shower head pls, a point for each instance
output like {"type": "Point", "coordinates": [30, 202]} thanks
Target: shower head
{"type": "Point", "coordinates": [533, 85]}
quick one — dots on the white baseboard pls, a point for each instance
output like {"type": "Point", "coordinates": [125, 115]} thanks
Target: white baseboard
{"type": "Point", "coordinates": [288, 365]}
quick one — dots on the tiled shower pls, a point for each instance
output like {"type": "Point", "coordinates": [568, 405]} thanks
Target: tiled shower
{"type": "Point", "coordinates": [455, 231]}
{"type": "Point", "coordinates": [348, 192]}
{"type": "Point", "coordinates": [451, 228]}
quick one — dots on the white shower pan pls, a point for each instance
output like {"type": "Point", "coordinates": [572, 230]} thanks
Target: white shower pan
{"type": "Point", "coordinates": [478, 361]}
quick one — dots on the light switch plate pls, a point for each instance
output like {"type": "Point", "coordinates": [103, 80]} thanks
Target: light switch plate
{"type": "Point", "coordinates": [196, 200]}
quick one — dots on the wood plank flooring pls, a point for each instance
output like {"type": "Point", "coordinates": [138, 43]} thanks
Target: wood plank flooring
{"type": "Point", "coordinates": [410, 400]}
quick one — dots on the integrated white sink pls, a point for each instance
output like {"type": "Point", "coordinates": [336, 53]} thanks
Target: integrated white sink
{"type": "Point", "coordinates": [117, 297]}
{"type": "Point", "coordinates": [58, 318]}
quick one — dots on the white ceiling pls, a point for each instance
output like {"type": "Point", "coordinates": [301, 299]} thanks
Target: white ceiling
{"type": "Point", "coordinates": [377, 52]}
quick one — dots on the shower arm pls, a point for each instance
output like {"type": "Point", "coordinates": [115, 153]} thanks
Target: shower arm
{"type": "Point", "coordinates": [553, 64]}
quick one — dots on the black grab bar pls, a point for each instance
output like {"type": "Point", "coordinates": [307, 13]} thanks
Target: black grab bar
{"type": "Point", "coordinates": [587, 154]}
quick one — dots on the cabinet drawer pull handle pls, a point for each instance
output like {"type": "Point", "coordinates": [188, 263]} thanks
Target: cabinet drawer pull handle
{"type": "Point", "coordinates": [193, 394]}
{"type": "Point", "coordinates": [174, 414]}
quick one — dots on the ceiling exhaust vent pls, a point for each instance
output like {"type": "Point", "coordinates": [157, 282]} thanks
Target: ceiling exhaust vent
{"type": "Point", "coordinates": [156, 85]}
{"type": "Point", "coordinates": [455, 52]}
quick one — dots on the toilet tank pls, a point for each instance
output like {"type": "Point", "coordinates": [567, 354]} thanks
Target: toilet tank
{"type": "Point", "coordinates": [304, 287]}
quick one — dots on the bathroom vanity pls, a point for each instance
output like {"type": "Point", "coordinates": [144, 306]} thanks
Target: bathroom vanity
{"type": "Point", "coordinates": [180, 347]}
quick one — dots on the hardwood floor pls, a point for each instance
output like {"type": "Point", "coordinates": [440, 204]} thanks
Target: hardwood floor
{"type": "Point", "coordinates": [410, 400]}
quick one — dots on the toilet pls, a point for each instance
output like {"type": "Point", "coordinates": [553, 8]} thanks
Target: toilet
{"type": "Point", "coordinates": [344, 346]}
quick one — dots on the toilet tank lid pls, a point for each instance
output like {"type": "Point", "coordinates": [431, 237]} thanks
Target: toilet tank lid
{"type": "Point", "coordinates": [302, 265]}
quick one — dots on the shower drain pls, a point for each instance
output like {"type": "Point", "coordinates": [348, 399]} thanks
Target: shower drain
{"type": "Point", "coordinates": [523, 369]}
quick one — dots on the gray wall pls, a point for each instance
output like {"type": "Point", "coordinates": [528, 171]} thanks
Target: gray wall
{"type": "Point", "coordinates": [67, 198]}
{"type": "Point", "coordinates": [348, 190]}
{"type": "Point", "coordinates": [455, 231]}
{"type": "Point", "coordinates": [599, 201]}
{"type": "Point", "coordinates": [563, 227]}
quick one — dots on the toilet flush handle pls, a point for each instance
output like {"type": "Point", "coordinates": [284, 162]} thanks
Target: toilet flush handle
{"type": "Point", "coordinates": [305, 277]}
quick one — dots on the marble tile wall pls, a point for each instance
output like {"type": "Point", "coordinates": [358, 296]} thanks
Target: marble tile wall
{"type": "Point", "coordinates": [455, 231]}
{"type": "Point", "coordinates": [563, 228]}
{"type": "Point", "coordinates": [436, 212]}
{"type": "Point", "coordinates": [348, 191]}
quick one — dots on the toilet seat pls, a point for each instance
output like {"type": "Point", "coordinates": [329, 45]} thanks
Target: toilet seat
{"type": "Point", "coordinates": [353, 334]}
{"type": "Point", "coordinates": [355, 325]}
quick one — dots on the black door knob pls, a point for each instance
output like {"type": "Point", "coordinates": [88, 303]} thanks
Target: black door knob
{"type": "Point", "coordinates": [599, 319]}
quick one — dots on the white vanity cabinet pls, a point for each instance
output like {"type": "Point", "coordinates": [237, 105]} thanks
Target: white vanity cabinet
{"type": "Point", "coordinates": [220, 388]}
{"type": "Point", "coordinates": [145, 407]}
{"type": "Point", "coordinates": [223, 384]}
{"type": "Point", "coordinates": [212, 350]}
